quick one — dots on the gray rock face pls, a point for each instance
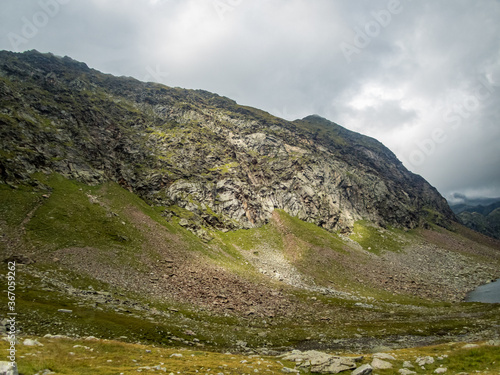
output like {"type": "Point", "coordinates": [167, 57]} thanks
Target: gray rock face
{"type": "Point", "coordinates": [213, 163]}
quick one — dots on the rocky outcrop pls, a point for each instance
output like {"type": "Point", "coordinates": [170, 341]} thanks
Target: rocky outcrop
{"type": "Point", "coordinates": [210, 162]}
{"type": "Point", "coordinates": [322, 363]}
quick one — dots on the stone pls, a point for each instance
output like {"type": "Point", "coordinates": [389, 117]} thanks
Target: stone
{"type": "Point", "coordinates": [379, 364]}
{"type": "Point", "coordinates": [422, 361]}
{"type": "Point", "coordinates": [405, 371]}
{"type": "Point", "coordinates": [176, 355]}
{"type": "Point", "coordinates": [385, 356]}
{"type": "Point", "coordinates": [333, 366]}
{"type": "Point", "coordinates": [440, 370]}
{"type": "Point", "coordinates": [363, 370]}
{"type": "Point", "coordinates": [288, 370]}
{"type": "Point", "coordinates": [408, 364]}
{"type": "Point", "coordinates": [65, 311]}
{"type": "Point", "coordinates": [30, 342]}
{"type": "Point", "coordinates": [320, 362]}
{"type": "Point", "coordinates": [6, 368]}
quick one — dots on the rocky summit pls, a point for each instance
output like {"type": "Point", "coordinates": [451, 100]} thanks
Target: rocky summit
{"type": "Point", "coordinates": [210, 161]}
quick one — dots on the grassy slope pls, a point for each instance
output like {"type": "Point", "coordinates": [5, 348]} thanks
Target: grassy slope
{"type": "Point", "coordinates": [67, 356]}
{"type": "Point", "coordinates": [40, 222]}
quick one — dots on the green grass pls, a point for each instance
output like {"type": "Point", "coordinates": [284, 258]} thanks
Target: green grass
{"type": "Point", "coordinates": [377, 240]}
{"type": "Point", "coordinates": [96, 221]}
{"type": "Point", "coordinates": [484, 359]}
{"type": "Point", "coordinates": [106, 357]}
{"type": "Point", "coordinates": [76, 215]}
{"type": "Point", "coordinates": [15, 204]}
{"type": "Point", "coordinates": [80, 357]}
{"type": "Point", "coordinates": [226, 168]}
{"type": "Point", "coordinates": [310, 232]}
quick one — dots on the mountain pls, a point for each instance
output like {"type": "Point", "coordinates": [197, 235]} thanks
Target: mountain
{"type": "Point", "coordinates": [144, 213]}
{"type": "Point", "coordinates": [480, 215]}
{"type": "Point", "coordinates": [223, 165]}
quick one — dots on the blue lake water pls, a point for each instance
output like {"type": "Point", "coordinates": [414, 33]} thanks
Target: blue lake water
{"type": "Point", "coordinates": [487, 293]}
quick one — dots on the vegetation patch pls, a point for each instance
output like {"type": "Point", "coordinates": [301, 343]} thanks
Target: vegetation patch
{"type": "Point", "coordinates": [109, 357]}
{"type": "Point", "coordinates": [15, 204]}
{"type": "Point", "coordinates": [75, 215]}
{"type": "Point", "coordinates": [377, 240]}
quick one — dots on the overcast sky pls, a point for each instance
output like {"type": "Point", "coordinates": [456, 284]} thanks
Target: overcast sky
{"type": "Point", "coordinates": [421, 76]}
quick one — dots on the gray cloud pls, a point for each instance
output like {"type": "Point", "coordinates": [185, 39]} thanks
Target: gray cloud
{"type": "Point", "coordinates": [411, 78]}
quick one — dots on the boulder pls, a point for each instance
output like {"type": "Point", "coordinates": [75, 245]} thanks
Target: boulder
{"type": "Point", "coordinates": [422, 361]}
{"type": "Point", "coordinates": [407, 364]}
{"type": "Point", "coordinates": [30, 342]}
{"type": "Point", "coordinates": [288, 370]}
{"type": "Point", "coordinates": [6, 368]}
{"type": "Point", "coordinates": [334, 365]}
{"type": "Point", "coordinates": [405, 371]}
{"type": "Point", "coordinates": [363, 370]}
{"type": "Point", "coordinates": [440, 370]}
{"type": "Point", "coordinates": [385, 356]}
{"type": "Point", "coordinates": [379, 364]}
{"type": "Point", "coordinates": [320, 362]}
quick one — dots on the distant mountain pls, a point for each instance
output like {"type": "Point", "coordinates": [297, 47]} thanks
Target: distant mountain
{"type": "Point", "coordinates": [480, 214]}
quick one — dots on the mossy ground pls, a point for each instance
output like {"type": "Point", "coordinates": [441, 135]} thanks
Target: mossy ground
{"type": "Point", "coordinates": [377, 240]}
{"type": "Point", "coordinates": [67, 356]}
{"type": "Point", "coordinates": [455, 357]}
{"type": "Point", "coordinates": [80, 356]}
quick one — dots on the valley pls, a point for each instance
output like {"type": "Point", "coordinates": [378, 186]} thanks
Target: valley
{"type": "Point", "coordinates": [158, 219]}
{"type": "Point", "coordinates": [328, 293]}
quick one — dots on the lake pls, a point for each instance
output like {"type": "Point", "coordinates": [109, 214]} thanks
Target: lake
{"type": "Point", "coordinates": [487, 293]}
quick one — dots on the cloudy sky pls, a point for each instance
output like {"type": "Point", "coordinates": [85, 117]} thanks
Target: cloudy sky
{"type": "Point", "coordinates": [421, 76]}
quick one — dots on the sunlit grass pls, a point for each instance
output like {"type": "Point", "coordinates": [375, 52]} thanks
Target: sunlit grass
{"type": "Point", "coordinates": [68, 356]}
{"type": "Point", "coordinates": [81, 356]}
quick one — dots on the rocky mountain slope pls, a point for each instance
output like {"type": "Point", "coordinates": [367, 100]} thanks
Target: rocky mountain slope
{"type": "Point", "coordinates": [212, 162]}
{"type": "Point", "coordinates": [306, 235]}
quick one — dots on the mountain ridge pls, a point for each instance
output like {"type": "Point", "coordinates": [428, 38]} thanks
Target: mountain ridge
{"type": "Point", "coordinates": [479, 214]}
{"type": "Point", "coordinates": [210, 161]}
